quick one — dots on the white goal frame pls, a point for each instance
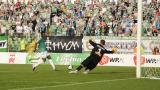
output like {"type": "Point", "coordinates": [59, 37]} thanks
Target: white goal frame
{"type": "Point", "coordinates": [139, 28]}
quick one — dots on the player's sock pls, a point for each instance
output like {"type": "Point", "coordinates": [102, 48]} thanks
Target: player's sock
{"type": "Point", "coordinates": [75, 71]}
{"type": "Point", "coordinates": [52, 64]}
{"type": "Point", "coordinates": [37, 64]}
{"type": "Point", "coordinates": [33, 68]}
{"type": "Point", "coordinates": [34, 62]}
{"type": "Point", "coordinates": [86, 71]}
{"type": "Point", "coordinates": [79, 68]}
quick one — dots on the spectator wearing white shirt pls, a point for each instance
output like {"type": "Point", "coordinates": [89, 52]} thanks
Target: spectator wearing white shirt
{"type": "Point", "coordinates": [19, 30]}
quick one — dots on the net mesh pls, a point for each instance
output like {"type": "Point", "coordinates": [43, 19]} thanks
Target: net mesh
{"type": "Point", "coordinates": [151, 72]}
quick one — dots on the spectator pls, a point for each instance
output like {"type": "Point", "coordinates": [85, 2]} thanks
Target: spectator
{"type": "Point", "coordinates": [155, 51]}
{"type": "Point", "coordinates": [2, 30]}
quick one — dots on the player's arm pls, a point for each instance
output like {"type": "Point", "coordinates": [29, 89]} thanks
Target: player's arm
{"type": "Point", "coordinates": [92, 43]}
{"type": "Point", "coordinates": [109, 52]}
{"type": "Point", "coordinates": [114, 50]}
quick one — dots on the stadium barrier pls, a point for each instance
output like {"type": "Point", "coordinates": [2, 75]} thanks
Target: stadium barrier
{"type": "Point", "coordinates": [66, 45]}
{"type": "Point", "coordinates": [124, 45]}
{"type": "Point", "coordinates": [76, 59]}
{"type": "Point", "coordinates": [12, 58]}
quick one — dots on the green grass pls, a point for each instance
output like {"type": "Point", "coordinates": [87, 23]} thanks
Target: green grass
{"type": "Point", "coordinates": [21, 77]}
{"type": "Point", "coordinates": [3, 37]}
{"type": "Point", "coordinates": [3, 50]}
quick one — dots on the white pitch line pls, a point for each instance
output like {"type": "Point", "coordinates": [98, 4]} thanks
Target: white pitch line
{"type": "Point", "coordinates": [43, 87]}
{"type": "Point", "coordinates": [35, 82]}
{"type": "Point", "coordinates": [8, 71]}
{"type": "Point", "coordinates": [13, 71]}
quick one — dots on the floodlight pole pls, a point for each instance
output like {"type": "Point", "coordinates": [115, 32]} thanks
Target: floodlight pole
{"type": "Point", "coordinates": [139, 29]}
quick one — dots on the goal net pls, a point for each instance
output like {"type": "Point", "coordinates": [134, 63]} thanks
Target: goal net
{"type": "Point", "coordinates": [151, 72]}
{"type": "Point", "coordinates": [148, 66]}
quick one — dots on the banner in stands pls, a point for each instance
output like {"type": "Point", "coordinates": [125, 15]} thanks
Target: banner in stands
{"type": "Point", "coordinates": [75, 59]}
{"type": "Point", "coordinates": [64, 44]}
{"type": "Point", "coordinates": [124, 46]}
{"type": "Point", "coordinates": [3, 43]}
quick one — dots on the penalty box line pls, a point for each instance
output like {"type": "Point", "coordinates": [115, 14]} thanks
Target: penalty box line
{"type": "Point", "coordinates": [73, 84]}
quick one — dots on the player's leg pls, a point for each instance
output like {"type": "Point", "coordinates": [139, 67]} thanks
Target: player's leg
{"type": "Point", "coordinates": [77, 69]}
{"type": "Point", "coordinates": [42, 59]}
{"type": "Point", "coordinates": [89, 68]}
{"type": "Point", "coordinates": [83, 64]}
{"type": "Point", "coordinates": [34, 59]}
{"type": "Point", "coordinates": [51, 62]}
{"type": "Point", "coordinates": [92, 64]}
{"type": "Point", "coordinates": [29, 59]}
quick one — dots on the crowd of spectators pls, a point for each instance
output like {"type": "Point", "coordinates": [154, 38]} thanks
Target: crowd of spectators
{"type": "Point", "coordinates": [68, 18]}
{"type": "Point", "coordinates": [151, 18]}
{"type": "Point", "coordinates": [118, 18]}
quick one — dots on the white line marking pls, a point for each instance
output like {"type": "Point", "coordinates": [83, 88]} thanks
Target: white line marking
{"type": "Point", "coordinates": [14, 71]}
{"type": "Point", "coordinates": [43, 87]}
{"type": "Point", "coordinates": [35, 82]}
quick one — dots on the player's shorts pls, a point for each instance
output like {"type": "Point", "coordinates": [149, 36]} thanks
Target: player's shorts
{"type": "Point", "coordinates": [92, 59]}
{"type": "Point", "coordinates": [44, 54]}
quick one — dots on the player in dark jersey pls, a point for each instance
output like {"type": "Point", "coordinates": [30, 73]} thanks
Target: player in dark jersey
{"type": "Point", "coordinates": [95, 56]}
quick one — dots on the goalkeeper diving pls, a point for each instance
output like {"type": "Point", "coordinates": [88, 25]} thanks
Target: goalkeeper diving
{"type": "Point", "coordinates": [95, 56]}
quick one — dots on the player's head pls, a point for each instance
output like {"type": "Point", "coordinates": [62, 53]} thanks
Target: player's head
{"type": "Point", "coordinates": [102, 42]}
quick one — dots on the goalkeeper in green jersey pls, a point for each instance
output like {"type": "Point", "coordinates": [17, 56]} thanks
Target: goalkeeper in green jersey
{"type": "Point", "coordinates": [43, 54]}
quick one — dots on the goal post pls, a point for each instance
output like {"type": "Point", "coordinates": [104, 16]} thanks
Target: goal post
{"type": "Point", "coordinates": [139, 29]}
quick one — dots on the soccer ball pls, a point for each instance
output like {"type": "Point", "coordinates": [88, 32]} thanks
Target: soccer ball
{"type": "Point", "coordinates": [70, 67]}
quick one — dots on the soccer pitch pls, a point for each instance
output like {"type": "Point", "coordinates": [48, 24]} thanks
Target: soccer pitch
{"type": "Point", "coordinates": [21, 77]}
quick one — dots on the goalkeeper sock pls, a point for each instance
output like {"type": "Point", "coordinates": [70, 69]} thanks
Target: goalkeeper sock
{"type": "Point", "coordinates": [79, 68]}
{"type": "Point", "coordinates": [52, 64]}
